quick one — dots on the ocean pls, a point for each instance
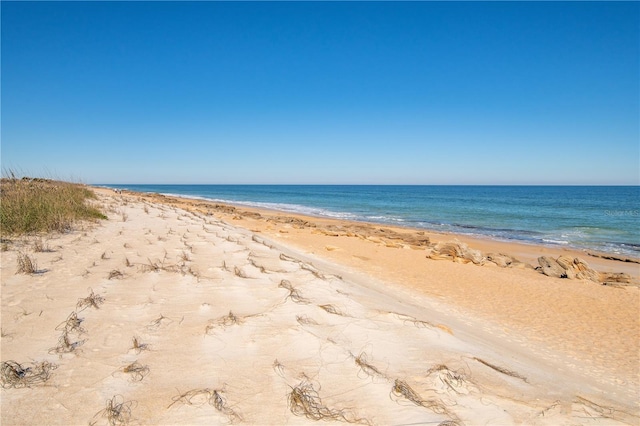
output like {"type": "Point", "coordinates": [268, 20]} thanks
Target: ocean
{"type": "Point", "coordinates": [602, 218]}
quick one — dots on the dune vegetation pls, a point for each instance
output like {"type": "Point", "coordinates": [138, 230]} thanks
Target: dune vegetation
{"type": "Point", "coordinates": [35, 205]}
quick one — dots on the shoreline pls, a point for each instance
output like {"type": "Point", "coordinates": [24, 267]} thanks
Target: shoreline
{"type": "Point", "coordinates": [177, 303]}
{"type": "Point", "coordinates": [527, 251]}
{"type": "Point", "coordinates": [249, 206]}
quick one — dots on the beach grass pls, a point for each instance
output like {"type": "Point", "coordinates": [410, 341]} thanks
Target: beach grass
{"type": "Point", "coordinates": [34, 205]}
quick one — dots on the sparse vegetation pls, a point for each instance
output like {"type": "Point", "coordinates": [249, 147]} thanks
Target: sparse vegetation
{"type": "Point", "coordinates": [117, 411]}
{"type": "Point", "coordinates": [26, 264]}
{"type": "Point", "coordinates": [115, 274]}
{"type": "Point", "coordinates": [41, 246]}
{"type": "Point", "coordinates": [15, 375]}
{"type": "Point", "coordinates": [214, 397]}
{"type": "Point", "coordinates": [366, 367]}
{"type": "Point", "coordinates": [93, 299]}
{"type": "Point", "coordinates": [501, 369]}
{"type": "Point", "coordinates": [65, 344]}
{"type": "Point", "coordinates": [137, 371]}
{"type": "Point", "coordinates": [33, 205]}
{"type": "Point", "coordinates": [71, 324]}
{"type": "Point", "coordinates": [138, 346]}
{"type": "Point", "coordinates": [294, 294]}
{"type": "Point", "coordinates": [305, 401]}
{"type": "Point", "coordinates": [401, 389]}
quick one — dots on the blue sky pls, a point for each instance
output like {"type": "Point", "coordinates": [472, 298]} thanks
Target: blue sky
{"type": "Point", "coordinates": [331, 92]}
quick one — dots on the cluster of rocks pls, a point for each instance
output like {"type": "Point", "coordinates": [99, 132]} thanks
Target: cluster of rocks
{"type": "Point", "coordinates": [462, 253]}
{"type": "Point", "coordinates": [576, 268]}
{"type": "Point", "coordinates": [561, 267]}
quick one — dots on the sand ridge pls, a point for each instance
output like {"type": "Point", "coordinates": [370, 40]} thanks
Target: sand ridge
{"type": "Point", "coordinates": [187, 318]}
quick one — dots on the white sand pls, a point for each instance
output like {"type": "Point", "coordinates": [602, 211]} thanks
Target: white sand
{"type": "Point", "coordinates": [353, 339]}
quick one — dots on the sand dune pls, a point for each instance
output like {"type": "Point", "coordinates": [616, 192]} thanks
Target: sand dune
{"type": "Point", "coordinates": [166, 316]}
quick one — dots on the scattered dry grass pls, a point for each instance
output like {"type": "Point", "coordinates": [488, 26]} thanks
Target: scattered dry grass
{"type": "Point", "coordinates": [65, 345]}
{"type": "Point", "coordinates": [116, 274]}
{"type": "Point", "coordinates": [366, 367]}
{"type": "Point", "coordinates": [501, 370]}
{"type": "Point", "coordinates": [224, 322]}
{"type": "Point", "coordinates": [93, 300]}
{"type": "Point", "coordinates": [15, 375]}
{"type": "Point", "coordinates": [294, 294]}
{"type": "Point", "coordinates": [278, 368]}
{"type": "Point", "coordinates": [138, 346]}
{"type": "Point", "coordinates": [26, 264]}
{"type": "Point", "coordinates": [31, 206]}
{"type": "Point", "coordinates": [453, 380]}
{"type": "Point", "coordinates": [401, 389]}
{"type": "Point", "coordinates": [214, 397]}
{"type": "Point", "coordinates": [592, 410]}
{"type": "Point", "coordinates": [72, 324]}
{"type": "Point", "coordinates": [332, 309]}
{"type": "Point", "coordinates": [41, 246]}
{"type": "Point", "coordinates": [305, 320]}
{"type": "Point", "coordinates": [117, 411]}
{"type": "Point", "coordinates": [162, 265]}
{"type": "Point", "coordinates": [304, 401]}
{"type": "Point", "coordinates": [137, 371]}
{"type": "Point", "coordinates": [156, 323]}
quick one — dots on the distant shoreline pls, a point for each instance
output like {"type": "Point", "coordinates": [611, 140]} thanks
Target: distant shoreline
{"type": "Point", "coordinates": [508, 237]}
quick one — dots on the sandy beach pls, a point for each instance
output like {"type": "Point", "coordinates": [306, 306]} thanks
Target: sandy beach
{"type": "Point", "coordinates": [177, 311]}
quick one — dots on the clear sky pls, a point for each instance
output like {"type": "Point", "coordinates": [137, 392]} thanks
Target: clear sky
{"type": "Point", "coordinates": [322, 92]}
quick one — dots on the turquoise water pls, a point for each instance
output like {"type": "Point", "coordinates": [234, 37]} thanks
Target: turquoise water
{"type": "Point", "coordinates": [603, 218]}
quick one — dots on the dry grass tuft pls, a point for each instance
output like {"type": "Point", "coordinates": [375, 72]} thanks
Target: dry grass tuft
{"type": "Point", "coordinates": [15, 375]}
{"type": "Point", "coordinates": [117, 411]}
{"type": "Point", "coordinates": [368, 369]}
{"type": "Point", "coordinates": [162, 265]}
{"type": "Point", "coordinates": [26, 265]}
{"type": "Point", "coordinates": [138, 346]}
{"type": "Point", "coordinates": [137, 371]}
{"type": "Point", "coordinates": [65, 345]}
{"type": "Point", "coordinates": [72, 324]}
{"type": "Point", "coordinates": [332, 309]}
{"type": "Point", "coordinates": [41, 246]}
{"type": "Point", "coordinates": [224, 322]}
{"type": "Point", "coordinates": [401, 389]}
{"type": "Point", "coordinates": [156, 323]}
{"type": "Point", "coordinates": [593, 410]}
{"type": "Point", "coordinates": [501, 370]}
{"type": "Point", "coordinates": [294, 294]}
{"type": "Point", "coordinates": [305, 401]}
{"type": "Point", "coordinates": [116, 274]}
{"type": "Point", "coordinates": [93, 300]}
{"type": "Point", "coordinates": [278, 368]}
{"type": "Point", "coordinates": [305, 320]}
{"type": "Point", "coordinates": [453, 380]}
{"type": "Point", "coordinates": [214, 397]}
